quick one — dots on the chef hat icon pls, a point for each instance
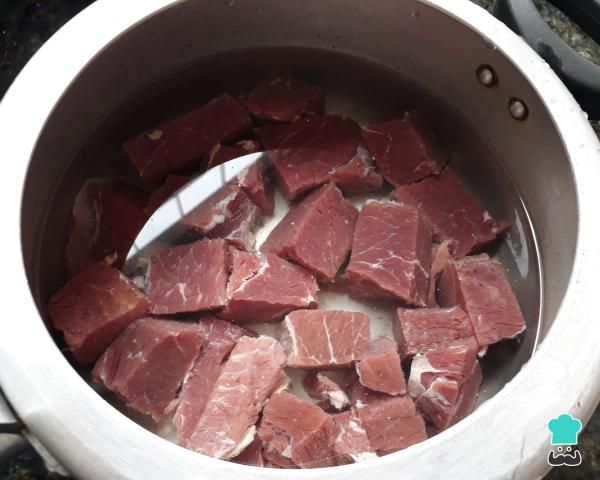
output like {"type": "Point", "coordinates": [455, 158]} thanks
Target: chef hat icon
{"type": "Point", "coordinates": [564, 429]}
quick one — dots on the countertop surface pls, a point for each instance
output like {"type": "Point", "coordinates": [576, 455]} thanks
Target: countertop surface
{"type": "Point", "coordinates": [25, 25]}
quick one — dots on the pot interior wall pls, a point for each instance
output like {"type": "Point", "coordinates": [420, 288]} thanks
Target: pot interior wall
{"type": "Point", "coordinates": [374, 64]}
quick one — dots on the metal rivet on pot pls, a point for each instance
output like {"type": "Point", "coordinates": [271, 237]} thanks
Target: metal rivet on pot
{"type": "Point", "coordinates": [518, 109]}
{"type": "Point", "coordinates": [487, 76]}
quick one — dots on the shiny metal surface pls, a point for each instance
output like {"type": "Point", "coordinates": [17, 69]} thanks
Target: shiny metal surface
{"type": "Point", "coordinates": [8, 421]}
{"type": "Point", "coordinates": [425, 51]}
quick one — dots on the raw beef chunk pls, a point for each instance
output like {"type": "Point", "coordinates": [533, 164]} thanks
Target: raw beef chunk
{"type": "Point", "coordinates": [219, 154]}
{"type": "Point", "coordinates": [228, 214]}
{"type": "Point", "coordinates": [146, 364]}
{"type": "Point", "coordinates": [445, 383]}
{"type": "Point", "coordinates": [479, 286]}
{"type": "Point", "coordinates": [321, 339]}
{"type": "Point", "coordinates": [219, 340]}
{"type": "Point", "coordinates": [315, 150]}
{"type": "Point", "coordinates": [316, 233]}
{"type": "Point", "coordinates": [391, 254]}
{"type": "Point", "coordinates": [264, 287]}
{"type": "Point", "coordinates": [440, 255]}
{"type": "Point", "coordinates": [180, 143]}
{"type": "Point", "coordinates": [381, 369]}
{"type": "Point", "coordinates": [351, 443]}
{"type": "Point", "coordinates": [284, 99]}
{"type": "Point", "coordinates": [391, 423]}
{"type": "Point", "coordinates": [253, 372]}
{"type": "Point", "coordinates": [296, 433]}
{"type": "Point", "coordinates": [255, 183]}
{"type": "Point", "coordinates": [320, 387]}
{"type": "Point", "coordinates": [405, 149]}
{"type": "Point", "coordinates": [452, 212]}
{"type": "Point", "coordinates": [94, 307]}
{"type": "Point", "coordinates": [252, 454]}
{"type": "Point", "coordinates": [189, 278]}
{"type": "Point", "coordinates": [421, 329]}
{"type": "Point", "coordinates": [106, 218]}
{"type": "Point", "coordinates": [172, 184]}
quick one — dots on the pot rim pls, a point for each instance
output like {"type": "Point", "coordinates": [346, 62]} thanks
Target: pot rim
{"type": "Point", "coordinates": [94, 440]}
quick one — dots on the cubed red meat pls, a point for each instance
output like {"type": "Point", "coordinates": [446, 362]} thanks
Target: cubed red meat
{"type": "Point", "coordinates": [219, 154]}
{"type": "Point", "coordinates": [255, 182]}
{"type": "Point", "coordinates": [445, 382]}
{"type": "Point", "coordinates": [146, 364]}
{"type": "Point", "coordinates": [351, 443]}
{"type": "Point", "coordinates": [227, 214]}
{"type": "Point", "coordinates": [381, 369]}
{"type": "Point", "coordinates": [284, 99]}
{"type": "Point", "coordinates": [391, 422]}
{"type": "Point", "coordinates": [94, 307]}
{"type": "Point", "coordinates": [405, 149]}
{"type": "Point", "coordinates": [318, 149]}
{"type": "Point", "coordinates": [316, 233]}
{"type": "Point", "coordinates": [179, 144]}
{"type": "Point", "coordinates": [391, 254]}
{"type": "Point", "coordinates": [296, 433]}
{"type": "Point", "coordinates": [219, 339]}
{"type": "Point", "coordinates": [168, 188]}
{"type": "Point", "coordinates": [325, 339]}
{"type": "Point", "coordinates": [421, 329]}
{"type": "Point", "coordinates": [479, 286]}
{"type": "Point", "coordinates": [253, 372]}
{"type": "Point", "coordinates": [252, 454]}
{"type": "Point", "coordinates": [452, 212]}
{"type": "Point", "coordinates": [320, 387]}
{"type": "Point", "coordinates": [189, 278]}
{"type": "Point", "coordinates": [106, 218]}
{"type": "Point", "coordinates": [264, 287]}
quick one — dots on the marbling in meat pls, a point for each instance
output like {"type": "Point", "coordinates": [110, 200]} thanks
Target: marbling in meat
{"type": "Point", "coordinates": [480, 287]}
{"type": "Point", "coordinates": [252, 454]}
{"type": "Point", "coordinates": [391, 254]}
{"type": "Point", "coordinates": [296, 433]}
{"type": "Point", "coordinates": [318, 149]}
{"type": "Point", "coordinates": [147, 362]}
{"type": "Point", "coordinates": [316, 233]}
{"type": "Point", "coordinates": [181, 143]}
{"type": "Point", "coordinates": [351, 443]}
{"type": "Point", "coordinates": [227, 214]}
{"type": "Point", "coordinates": [219, 339]}
{"type": "Point", "coordinates": [94, 307]}
{"type": "Point", "coordinates": [381, 369]}
{"type": "Point", "coordinates": [421, 329]}
{"type": "Point", "coordinates": [325, 339]}
{"type": "Point", "coordinates": [284, 99]}
{"type": "Point", "coordinates": [263, 288]}
{"type": "Point", "coordinates": [106, 218]}
{"type": "Point", "coordinates": [391, 422]}
{"type": "Point", "coordinates": [405, 149]}
{"type": "Point", "coordinates": [189, 278]}
{"type": "Point", "coordinates": [256, 183]}
{"type": "Point", "coordinates": [445, 383]}
{"type": "Point", "coordinates": [452, 212]}
{"type": "Point", "coordinates": [320, 387]}
{"type": "Point", "coordinates": [251, 374]}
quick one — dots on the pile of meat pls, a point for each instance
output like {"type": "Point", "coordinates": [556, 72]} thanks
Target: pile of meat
{"type": "Point", "coordinates": [184, 349]}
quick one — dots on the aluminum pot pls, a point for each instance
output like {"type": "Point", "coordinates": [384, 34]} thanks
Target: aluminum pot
{"type": "Point", "coordinates": [113, 50]}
